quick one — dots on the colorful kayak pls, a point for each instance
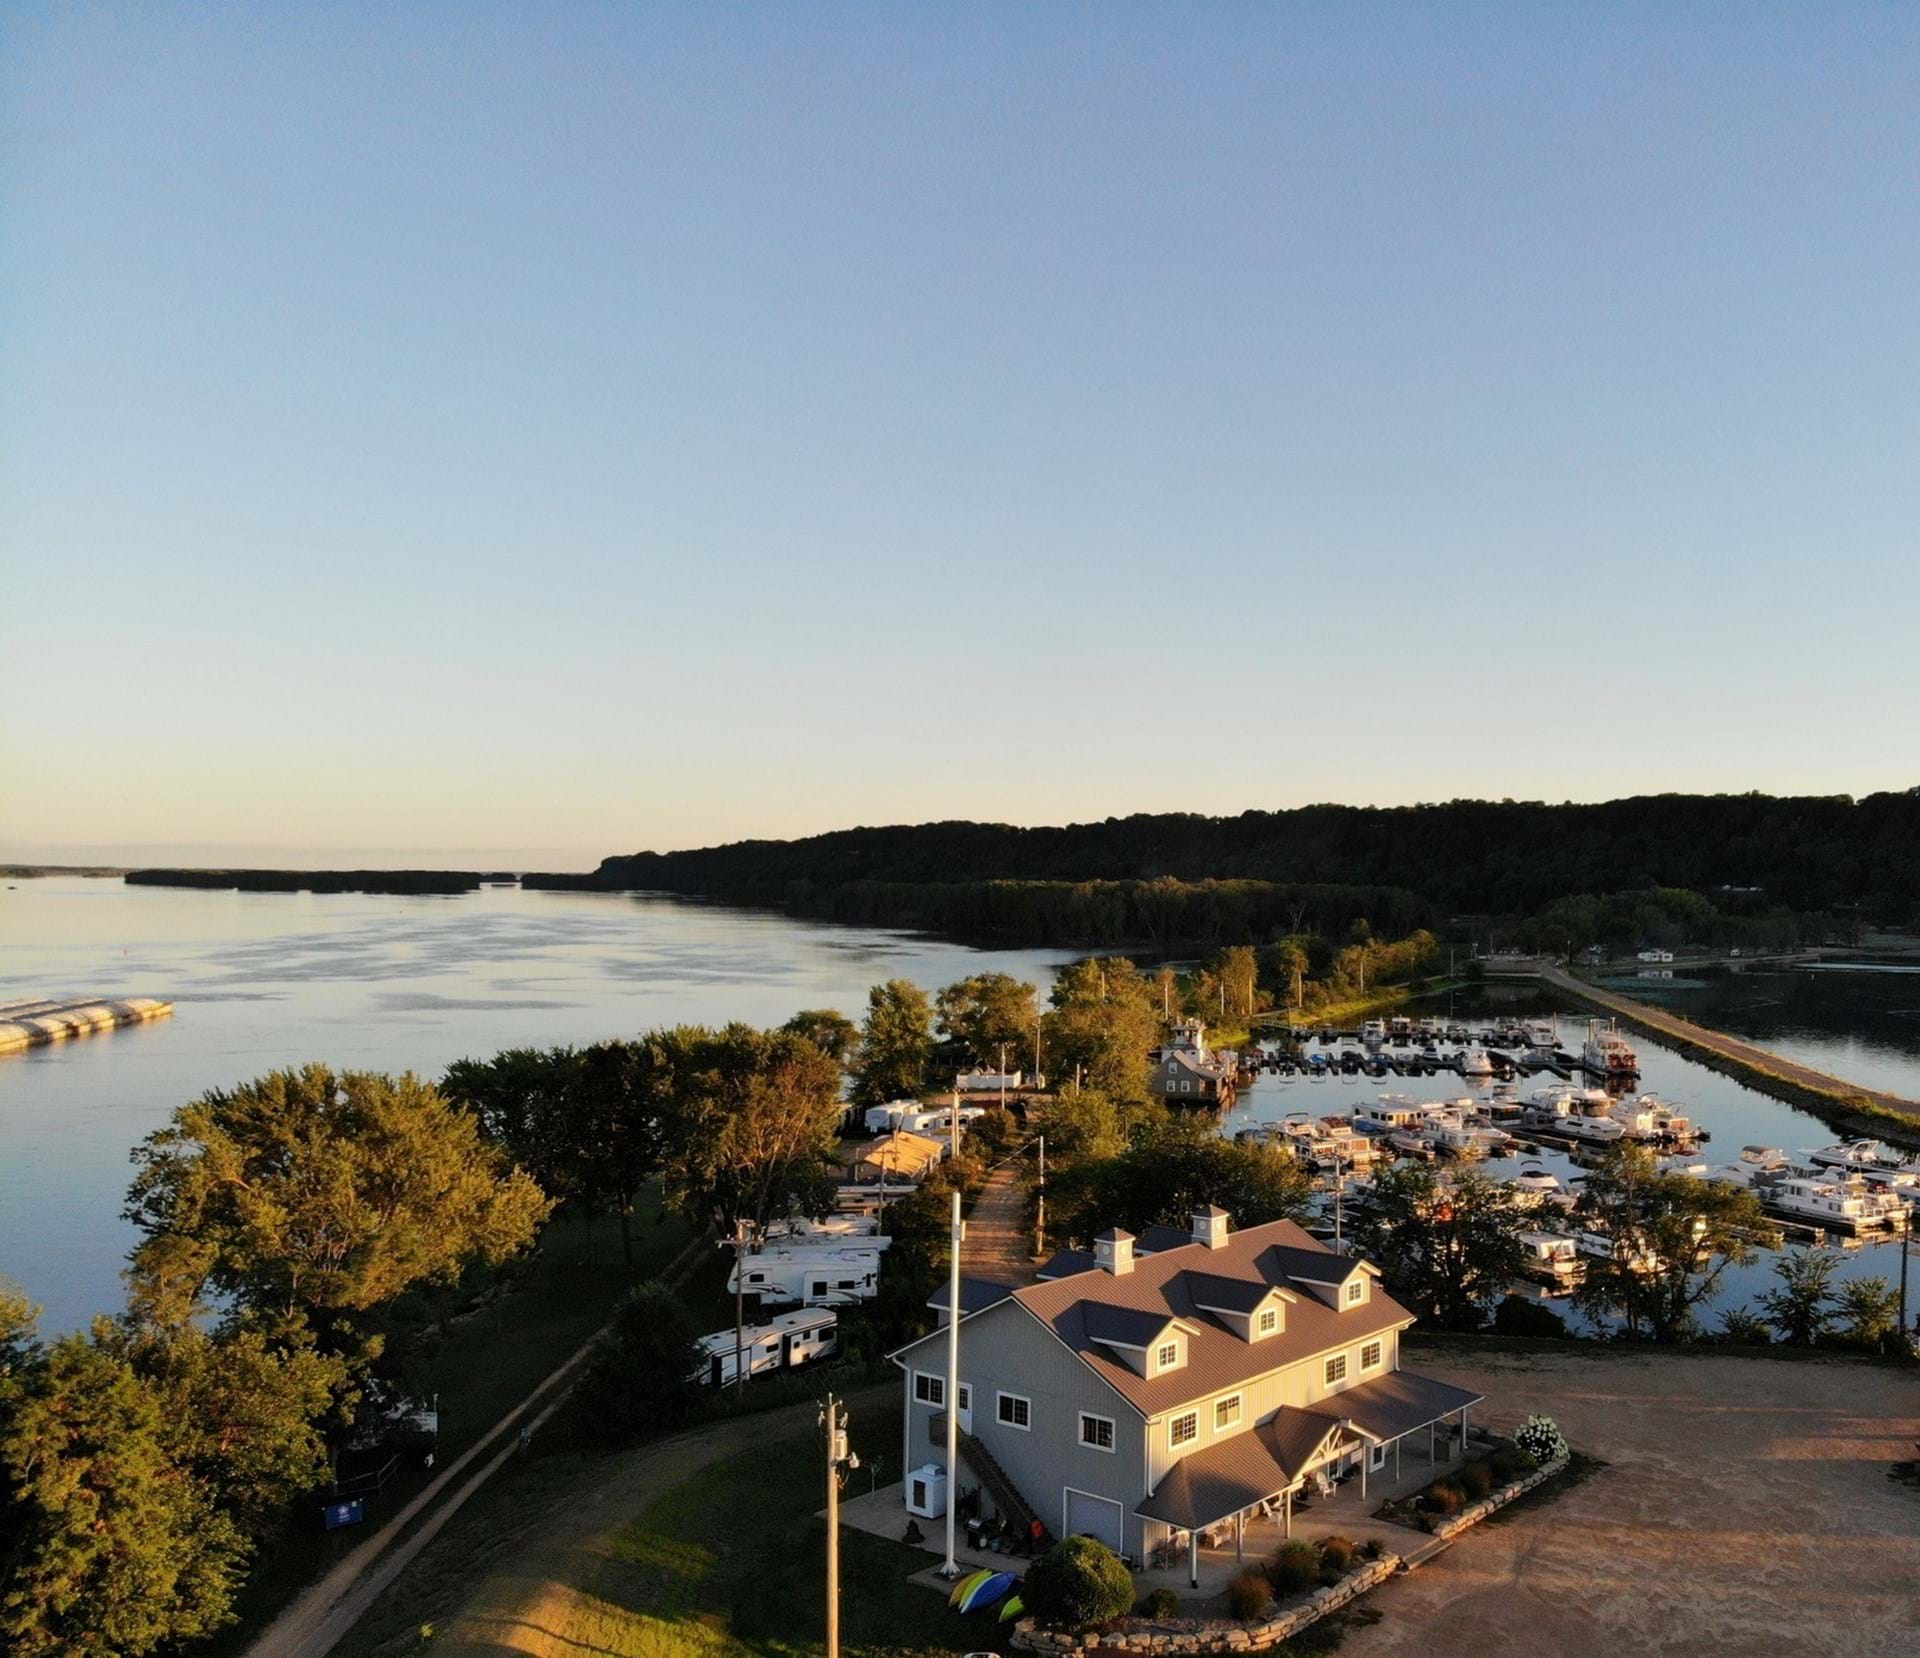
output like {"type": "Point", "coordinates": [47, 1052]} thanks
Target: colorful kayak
{"type": "Point", "coordinates": [971, 1581]}
{"type": "Point", "coordinates": [1011, 1608]}
{"type": "Point", "coordinates": [986, 1592]}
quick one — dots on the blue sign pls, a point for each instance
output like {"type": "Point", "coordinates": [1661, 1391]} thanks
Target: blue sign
{"type": "Point", "coordinates": [335, 1515]}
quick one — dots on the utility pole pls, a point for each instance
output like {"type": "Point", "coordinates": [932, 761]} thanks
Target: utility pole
{"type": "Point", "coordinates": [1003, 1076]}
{"type": "Point", "coordinates": [739, 1306]}
{"type": "Point", "coordinates": [1040, 1214]}
{"type": "Point", "coordinates": [952, 1569]}
{"type": "Point", "coordinates": [1036, 1050]}
{"type": "Point", "coordinates": [1906, 1242]}
{"type": "Point", "coordinates": [834, 1419]}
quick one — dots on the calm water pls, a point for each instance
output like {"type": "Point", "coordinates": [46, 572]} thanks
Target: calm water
{"type": "Point", "coordinates": [261, 980]}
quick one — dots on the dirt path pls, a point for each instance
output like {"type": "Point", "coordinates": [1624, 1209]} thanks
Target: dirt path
{"type": "Point", "coordinates": [515, 1582]}
{"type": "Point", "coordinates": [999, 1247]}
{"type": "Point", "coordinates": [1745, 1510]}
{"type": "Point", "coordinates": [1727, 1047]}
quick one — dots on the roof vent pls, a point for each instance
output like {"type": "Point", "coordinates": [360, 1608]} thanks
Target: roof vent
{"type": "Point", "coordinates": [1113, 1252]}
{"type": "Point", "coordinates": [1210, 1226]}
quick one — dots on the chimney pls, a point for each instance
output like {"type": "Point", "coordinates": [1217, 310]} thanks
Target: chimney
{"type": "Point", "coordinates": [1113, 1252]}
{"type": "Point", "coordinates": [1210, 1226]}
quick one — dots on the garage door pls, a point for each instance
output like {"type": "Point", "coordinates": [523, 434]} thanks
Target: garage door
{"type": "Point", "coordinates": [1097, 1517]}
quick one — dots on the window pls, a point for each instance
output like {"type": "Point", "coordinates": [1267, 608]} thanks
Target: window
{"type": "Point", "coordinates": [1096, 1432]}
{"type": "Point", "coordinates": [929, 1390]}
{"type": "Point", "coordinates": [847, 1284]}
{"type": "Point", "coordinates": [1269, 1321]}
{"type": "Point", "coordinates": [1184, 1430]}
{"type": "Point", "coordinates": [1013, 1410]}
{"type": "Point", "coordinates": [1376, 1457]}
{"type": "Point", "coordinates": [1370, 1356]}
{"type": "Point", "coordinates": [1168, 1356]}
{"type": "Point", "coordinates": [1226, 1412]}
{"type": "Point", "coordinates": [966, 1398]}
{"type": "Point", "coordinates": [819, 1287]}
{"type": "Point", "coordinates": [1356, 1290]}
{"type": "Point", "coordinates": [1336, 1369]}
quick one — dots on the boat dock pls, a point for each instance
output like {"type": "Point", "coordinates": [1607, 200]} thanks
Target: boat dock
{"type": "Point", "coordinates": [33, 1024]}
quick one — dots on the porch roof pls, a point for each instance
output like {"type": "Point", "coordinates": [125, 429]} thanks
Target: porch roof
{"type": "Point", "coordinates": [1238, 1472]}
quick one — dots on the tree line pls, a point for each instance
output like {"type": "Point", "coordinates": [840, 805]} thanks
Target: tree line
{"type": "Point", "coordinates": [1466, 857]}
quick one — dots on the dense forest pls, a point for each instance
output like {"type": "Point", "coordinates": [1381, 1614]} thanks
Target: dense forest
{"type": "Point", "coordinates": [1750, 863]}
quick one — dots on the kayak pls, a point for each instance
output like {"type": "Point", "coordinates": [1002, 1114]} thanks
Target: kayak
{"type": "Point", "coordinates": [970, 1581]}
{"type": "Point", "coordinates": [986, 1592]}
{"type": "Point", "coordinates": [1011, 1608]}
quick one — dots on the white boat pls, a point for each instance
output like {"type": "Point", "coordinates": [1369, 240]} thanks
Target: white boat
{"type": "Point", "coordinates": [1868, 1157]}
{"type": "Point", "coordinates": [1460, 1136]}
{"type": "Point", "coordinates": [1538, 1184]}
{"type": "Point", "coordinates": [1543, 1038]}
{"type": "Point", "coordinates": [1473, 1062]}
{"type": "Point", "coordinates": [1608, 1052]}
{"type": "Point", "coordinates": [1836, 1202]}
{"type": "Point", "coordinates": [1561, 1115]}
{"type": "Point", "coordinates": [1601, 1246]}
{"type": "Point", "coordinates": [1374, 1032]}
{"type": "Point", "coordinates": [1553, 1259]}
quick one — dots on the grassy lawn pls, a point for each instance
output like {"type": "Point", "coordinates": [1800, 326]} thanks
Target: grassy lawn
{"type": "Point", "coordinates": [480, 1365]}
{"type": "Point", "coordinates": [734, 1561]}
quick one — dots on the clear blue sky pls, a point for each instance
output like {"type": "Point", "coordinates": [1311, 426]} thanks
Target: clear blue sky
{"type": "Point", "coordinates": [580, 428]}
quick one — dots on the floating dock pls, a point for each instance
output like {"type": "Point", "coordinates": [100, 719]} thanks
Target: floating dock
{"type": "Point", "coordinates": [33, 1024]}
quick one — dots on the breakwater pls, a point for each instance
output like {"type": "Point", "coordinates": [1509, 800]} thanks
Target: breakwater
{"type": "Point", "coordinates": [34, 1023]}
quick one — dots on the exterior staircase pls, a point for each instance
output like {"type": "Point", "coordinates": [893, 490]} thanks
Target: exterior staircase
{"type": "Point", "coordinates": [1005, 1496]}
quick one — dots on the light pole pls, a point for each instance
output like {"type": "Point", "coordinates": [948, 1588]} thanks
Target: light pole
{"type": "Point", "coordinates": [834, 1419]}
{"type": "Point", "coordinates": [952, 1568]}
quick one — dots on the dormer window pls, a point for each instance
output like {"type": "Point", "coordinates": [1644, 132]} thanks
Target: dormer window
{"type": "Point", "coordinates": [1356, 1292]}
{"type": "Point", "coordinates": [1268, 1322]}
{"type": "Point", "coordinates": [1167, 1356]}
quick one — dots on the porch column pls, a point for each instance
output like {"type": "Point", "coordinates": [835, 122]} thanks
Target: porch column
{"type": "Point", "coordinates": [1193, 1559]}
{"type": "Point", "coordinates": [1431, 1427]}
{"type": "Point", "coordinates": [1463, 1433]}
{"type": "Point", "coordinates": [1240, 1536]}
{"type": "Point", "coordinates": [1289, 1511]}
{"type": "Point", "coordinates": [1396, 1460]}
{"type": "Point", "coordinates": [1366, 1456]}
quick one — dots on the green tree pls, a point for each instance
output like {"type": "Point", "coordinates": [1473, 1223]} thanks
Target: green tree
{"type": "Point", "coordinates": [643, 1377]}
{"type": "Point", "coordinates": [1867, 1311]}
{"type": "Point", "coordinates": [1082, 1123]}
{"type": "Point", "coordinates": [1447, 1244]}
{"type": "Point", "coordinates": [989, 1011]}
{"type": "Point", "coordinates": [1239, 972]}
{"type": "Point", "coordinates": [109, 1545]}
{"type": "Point", "coordinates": [622, 1101]}
{"type": "Point", "coordinates": [1174, 1168]}
{"type": "Point", "coordinates": [1802, 1306]}
{"type": "Point", "coordinates": [311, 1196]}
{"type": "Point", "coordinates": [1674, 1236]}
{"type": "Point", "coordinates": [1105, 1018]}
{"type": "Point", "coordinates": [896, 1044]}
{"type": "Point", "coordinates": [828, 1029]}
{"type": "Point", "coordinates": [527, 1101]}
{"type": "Point", "coordinates": [755, 1126]}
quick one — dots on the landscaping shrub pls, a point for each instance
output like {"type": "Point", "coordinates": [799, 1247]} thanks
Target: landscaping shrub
{"type": "Point", "coordinates": [1077, 1582]}
{"type": "Point", "coordinates": [1509, 1463]}
{"type": "Point", "coordinates": [1541, 1439]}
{"type": "Point", "coordinates": [1336, 1552]}
{"type": "Point", "coordinates": [1517, 1316]}
{"type": "Point", "coordinates": [1162, 1603]}
{"type": "Point", "coordinates": [1249, 1595]}
{"type": "Point", "coordinates": [1295, 1566]}
{"type": "Point", "coordinates": [1372, 1549]}
{"type": "Point", "coordinates": [1476, 1480]}
{"type": "Point", "coordinates": [1443, 1497]}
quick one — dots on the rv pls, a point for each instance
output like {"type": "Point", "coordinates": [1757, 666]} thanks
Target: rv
{"type": "Point", "coordinates": [813, 1277]}
{"type": "Point", "coordinates": [791, 1340]}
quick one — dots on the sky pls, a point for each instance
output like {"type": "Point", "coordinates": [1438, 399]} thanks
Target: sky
{"type": "Point", "coordinates": [537, 432]}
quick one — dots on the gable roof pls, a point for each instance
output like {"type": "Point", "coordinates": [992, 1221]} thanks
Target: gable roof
{"type": "Point", "coordinates": [1158, 1289]}
{"type": "Point", "coordinates": [976, 1295]}
{"type": "Point", "coordinates": [1234, 1473]}
{"type": "Point", "coordinates": [1214, 1293]}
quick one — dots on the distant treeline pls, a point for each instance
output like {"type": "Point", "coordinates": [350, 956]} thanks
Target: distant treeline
{"type": "Point", "coordinates": [315, 880]}
{"type": "Point", "coordinates": [1183, 878]}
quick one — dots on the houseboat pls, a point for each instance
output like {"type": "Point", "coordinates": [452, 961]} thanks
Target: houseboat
{"type": "Point", "coordinates": [784, 1343]}
{"type": "Point", "coordinates": [1838, 1203]}
{"type": "Point", "coordinates": [1608, 1052]}
{"type": "Point", "coordinates": [1559, 1115]}
{"type": "Point", "coordinates": [1651, 1121]}
{"type": "Point", "coordinates": [1473, 1062]}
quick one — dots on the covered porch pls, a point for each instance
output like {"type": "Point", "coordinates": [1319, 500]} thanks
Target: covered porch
{"type": "Point", "coordinates": [1304, 1472]}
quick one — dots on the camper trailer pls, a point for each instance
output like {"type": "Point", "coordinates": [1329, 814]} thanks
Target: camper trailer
{"type": "Point", "coordinates": [791, 1340]}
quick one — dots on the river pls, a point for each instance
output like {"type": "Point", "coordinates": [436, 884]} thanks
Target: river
{"type": "Point", "coordinates": [261, 980]}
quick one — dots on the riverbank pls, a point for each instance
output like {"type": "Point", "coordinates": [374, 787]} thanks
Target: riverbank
{"type": "Point", "coordinates": [1843, 1106]}
{"type": "Point", "coordinates": [1348, 1013]}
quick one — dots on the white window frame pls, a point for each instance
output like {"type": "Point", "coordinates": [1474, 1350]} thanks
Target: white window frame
{"type": "Point", "coordinates": [1238, 1402]}
{"type": "Point", "coordinates": [1175, 1439]}
{"type": "Point", "coordinates": [1329, 1376]}
{"type": "Point", "coordinates": [1268, 1321]}
{"type": "Point", "coordinates": [1000, 1402]}
{"type": "Point", "coordinates": [1379, 1351]}
{"type": "Point", "coordinates": [1111, 1448]}
{"type": "Point", "coordinates": [1166, 1355]}
{"type": "Point", "coordinates": [1356, 1292]}
{"type": "Point", "coordinates": [930, 1389]}
{"type": "Point", "coordinates": [1376, 1456]}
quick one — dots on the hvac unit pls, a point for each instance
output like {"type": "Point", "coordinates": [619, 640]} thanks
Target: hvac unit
{"type": "Point", "coordinates": [927, 1491]}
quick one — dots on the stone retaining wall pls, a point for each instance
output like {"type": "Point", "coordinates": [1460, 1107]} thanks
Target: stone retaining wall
{"type": "Point", "coordinates": [1198, 1635]}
